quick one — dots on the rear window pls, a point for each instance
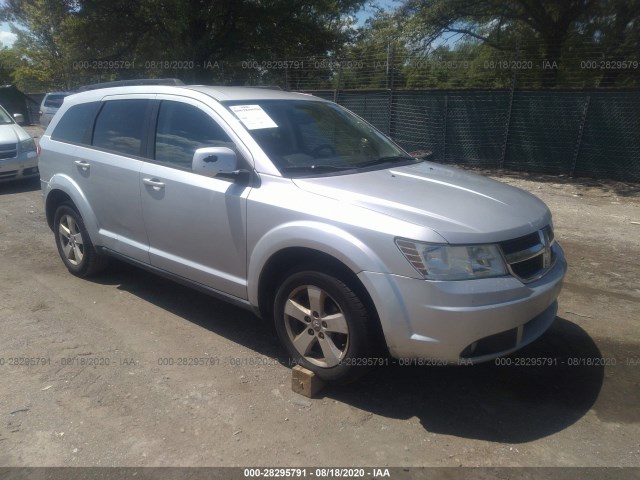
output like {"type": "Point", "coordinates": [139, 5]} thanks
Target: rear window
{"type": "Point", "coordinates": [119, 126]}
{"type": "Point", "coordinates": [73, 126]}
{"type": "Point", "coordinates": [55, 100]}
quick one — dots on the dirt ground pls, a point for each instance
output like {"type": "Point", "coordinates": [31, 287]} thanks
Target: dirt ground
{"type": "Point", "coordinates": [131, 409]}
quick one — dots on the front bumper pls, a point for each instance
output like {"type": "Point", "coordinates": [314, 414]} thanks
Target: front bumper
{"type": "Point", "coordinates": [471, 320]}
{"type": "Point", "coordinates": [23, 166]}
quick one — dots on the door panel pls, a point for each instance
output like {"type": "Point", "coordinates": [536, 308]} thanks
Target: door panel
{"type": "Point", "coordinates": [110, 177]}
{"type": "Point", "coordinates": [111, 184]}
{"type": "Point", "coordinates": [196, 227]}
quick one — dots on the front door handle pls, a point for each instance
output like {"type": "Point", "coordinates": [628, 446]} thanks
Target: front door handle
{"type": "Point", "coordinates": [154, 183]}
{"type": "Point", "coordinates": [82, 164]}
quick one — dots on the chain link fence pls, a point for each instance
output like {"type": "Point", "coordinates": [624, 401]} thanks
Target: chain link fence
{"type": "Point", "coordinates": [591, 133]}
{"type": "Point", "coordinates": [495, 111]}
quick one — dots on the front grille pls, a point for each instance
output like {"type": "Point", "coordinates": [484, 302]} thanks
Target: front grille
{"type": "Point", "coordinates": [519, 244]}
{"type": "Point", "coordinates": [530, 256]}
{"type": "Point", "coordinates": [8, 174]}
{"type": "Point", "coordinates": [9, 150]}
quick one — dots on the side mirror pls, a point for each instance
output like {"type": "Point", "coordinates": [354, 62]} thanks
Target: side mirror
{"type": "Point", "coordinates": [213, 161]}
{"type": "Point", "coordinates": [19, 118]}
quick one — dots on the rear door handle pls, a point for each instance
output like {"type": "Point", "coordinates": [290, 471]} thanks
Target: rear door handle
{"type": "Point", "coordinates": [153, 182]}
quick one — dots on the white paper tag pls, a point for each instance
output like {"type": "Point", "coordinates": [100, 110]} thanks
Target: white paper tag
{"type": "Point", "coordinates": [253, 117]}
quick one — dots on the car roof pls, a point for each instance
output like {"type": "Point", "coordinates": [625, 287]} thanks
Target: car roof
{"type": "Point", "coordinates": [249, 93]}
{"type": "Point", "coordinates": [131, 83]}
{"type": "Point", "coordinates": [221, 94]}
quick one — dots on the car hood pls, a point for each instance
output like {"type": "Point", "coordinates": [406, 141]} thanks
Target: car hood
{"type": "Point", "coordinates": [461, 207]}
{"type": "Point", "coordinates": [12, 133]}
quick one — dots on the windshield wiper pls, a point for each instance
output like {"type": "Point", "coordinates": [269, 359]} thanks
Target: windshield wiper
{"type": "Point", "coordinates": [316, 168]}
{"type": "Point", "coordinates": [381, 160]}
{"type": "Point", "coordinates": [336, 168]}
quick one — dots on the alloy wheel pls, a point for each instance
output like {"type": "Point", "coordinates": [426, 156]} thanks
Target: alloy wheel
{"type": "Point", "coordinates": [71, 240]}
{"type": "Point", "coordinates": [316, 326]}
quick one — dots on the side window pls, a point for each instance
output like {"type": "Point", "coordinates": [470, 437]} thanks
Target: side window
{"type": "Point", "coordinates": [120, 126]}
{"type": "Point", "coordinates": [182, 129]}
{"type": "Point", "coordinates": [72, 127]}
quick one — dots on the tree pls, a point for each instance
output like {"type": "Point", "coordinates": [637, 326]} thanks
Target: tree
{"type": "Point", "coordinates": [9, 62]}
{"type": "Point", "coordinates": [190, 34]}
{"type": "Point", "coordinates": [615, 33]}
{"type": "Point", "coordinates": [43, 56]}
{"type": "Point", "coordinates": [544, 28]}
{"type": "Point", "coordinates": [376, 57]}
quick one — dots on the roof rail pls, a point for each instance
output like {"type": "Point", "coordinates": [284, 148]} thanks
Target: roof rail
{"type": "Point", "coordinates": [134, 82]}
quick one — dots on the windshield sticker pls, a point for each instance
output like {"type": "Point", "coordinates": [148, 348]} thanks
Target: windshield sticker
{"type": "Point", "coordinates": [253, 117]}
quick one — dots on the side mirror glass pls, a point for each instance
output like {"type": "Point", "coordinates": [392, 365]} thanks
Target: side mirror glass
{"type": "Point", "coordinates": [19, 118]}
{"type": "Point", "coordinates": [213, 161]}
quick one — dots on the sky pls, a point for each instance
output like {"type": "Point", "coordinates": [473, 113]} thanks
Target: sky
{"type": "Point", "coordinates": [6, 37]}
{"type": "Point", "coordinates": [370, 8]}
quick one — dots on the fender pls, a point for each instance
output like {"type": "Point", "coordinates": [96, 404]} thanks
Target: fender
{"type": "Point", "coordinates": [322, 237]}
{"type": "Point", "coordinates": [67, 185]}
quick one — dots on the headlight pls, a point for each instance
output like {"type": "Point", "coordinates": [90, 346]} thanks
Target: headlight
{"type": "Point", "coordinates": [28, 146]}
{"type": "Point", "coordinates": [453, 262]}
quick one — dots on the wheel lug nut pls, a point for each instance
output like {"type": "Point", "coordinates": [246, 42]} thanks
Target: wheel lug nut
{"type": "Point", "coordinates": [315, 314]}
{"type": "Point", "coordinates": [310, 331]}
{"type": "Point", "coordinates": [307, 318]}
{"type": "Point", "coordinates": [321, 335]}
{"type": "Point", "coordinates": [324, 324]}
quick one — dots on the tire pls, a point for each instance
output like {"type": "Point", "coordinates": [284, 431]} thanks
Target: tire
{"type": "Point", "coordinates": [324, 325]}
{"type": "Point", "coordinates": [73, 242]}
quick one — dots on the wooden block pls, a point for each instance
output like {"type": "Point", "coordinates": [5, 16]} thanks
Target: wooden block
{"type": "Point", "coordinates": [305, 382]}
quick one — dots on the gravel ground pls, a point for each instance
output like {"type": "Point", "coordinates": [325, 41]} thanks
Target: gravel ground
{"type": "Point", "coordinates": [101, 395]}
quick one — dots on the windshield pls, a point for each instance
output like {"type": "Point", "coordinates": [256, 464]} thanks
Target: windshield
{"type": "Point", "coordinates": [5, 118]}
{"type": "Point", "coordinates": [310, 138]}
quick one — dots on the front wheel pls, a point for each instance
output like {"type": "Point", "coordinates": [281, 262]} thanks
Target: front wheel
{"type": "Point", "coordinates": [73, 242]}
{"type": "Point", "coordinates": [324, 325]}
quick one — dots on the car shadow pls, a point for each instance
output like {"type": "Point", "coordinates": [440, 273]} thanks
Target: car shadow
{"type": "Point", "coordinates": [221, 318]}
{"type": "Point", "coordinates": [20, 186]}
{"type": "Point", "coordinates": [511, 400]}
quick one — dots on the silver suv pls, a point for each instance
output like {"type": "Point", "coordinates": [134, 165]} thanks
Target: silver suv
{"type": "Point", "coordinates": [295, 208]}
{"type": "Point", "coordinates": [50, 104]}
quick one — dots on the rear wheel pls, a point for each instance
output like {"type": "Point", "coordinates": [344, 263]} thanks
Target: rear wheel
{"type": "Point", "coordinates": [73, 242]}
{"type": "Point", "coordinates": [324, 325]}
